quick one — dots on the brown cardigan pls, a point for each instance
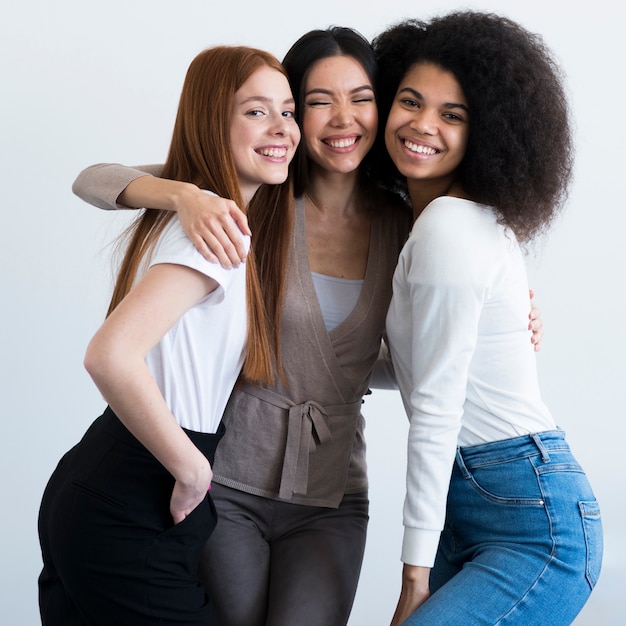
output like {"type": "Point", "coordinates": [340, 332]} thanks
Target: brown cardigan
{"type": "Point", "coordinates": [304, 442]}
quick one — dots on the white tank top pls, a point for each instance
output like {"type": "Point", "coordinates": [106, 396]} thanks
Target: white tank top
{"type": "Point", "coordinates": [337, 297]}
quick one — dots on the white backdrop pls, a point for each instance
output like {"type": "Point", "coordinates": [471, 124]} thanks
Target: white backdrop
{"type": "Point", "coordinates": [84, 82]}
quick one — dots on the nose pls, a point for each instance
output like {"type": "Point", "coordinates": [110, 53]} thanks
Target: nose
{"type": "Point", "coordinates": [423, 122]}
{"type": "Point", "coordinates": [342, 115]}
{"type": "Point", "coordinates": [279, 124]}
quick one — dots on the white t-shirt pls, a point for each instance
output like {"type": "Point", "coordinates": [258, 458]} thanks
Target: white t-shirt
{"type": "Point", "coordinates": [197, 362]}
{"type": "Point", "coordinates": [458, 332]}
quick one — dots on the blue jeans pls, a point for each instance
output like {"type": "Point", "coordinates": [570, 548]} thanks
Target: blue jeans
{"type": "Point", "coordinates": [522, 542]}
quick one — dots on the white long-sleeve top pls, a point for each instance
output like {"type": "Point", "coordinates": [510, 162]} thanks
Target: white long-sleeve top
{"type": "Point", "coordinates": [459, 338]}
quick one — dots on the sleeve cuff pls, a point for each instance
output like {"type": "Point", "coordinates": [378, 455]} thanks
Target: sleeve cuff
{"type": "Point", "coordinates": [419, 547]}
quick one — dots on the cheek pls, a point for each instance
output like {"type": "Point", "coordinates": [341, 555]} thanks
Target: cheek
{"type": "Point", "coordinates": [307, 144]}
{"type": "Point", "coordinates": [389, 137]}
{"type": "Point", "coordinates": [392, 124]}
{"type": "Point", "coordinates": [370, 120]}
{"type": "Point", "coordinates": [309, 132]}
{"type": "Point", "coordinates": [296, 136]}
{"type": "Point", "coordinates": [240, 137]}
{"type": "Point", "coordinates": [461, 146]}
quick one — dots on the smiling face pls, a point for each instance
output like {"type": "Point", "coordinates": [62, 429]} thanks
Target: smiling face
{"type": "Point", "coordinates": [427, 128]}
{"type": "Point", "coordinates": [263, 133]}
{"type": "Point", "coordinates": [340, 117]}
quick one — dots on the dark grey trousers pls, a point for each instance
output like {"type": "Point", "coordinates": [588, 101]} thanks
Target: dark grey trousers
{"type": "Point", "coordinates": [273, 563]}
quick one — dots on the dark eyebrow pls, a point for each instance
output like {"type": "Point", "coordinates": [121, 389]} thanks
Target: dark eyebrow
{"type": "Point", "coordinates": [447, 105]}
{"type": "Point", "coordinates": [328, 92]}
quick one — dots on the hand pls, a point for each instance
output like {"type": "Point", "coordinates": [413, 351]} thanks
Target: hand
{"type": "Point", "coordinates": [185, 498]}
{"type": "Point", "coordinates": [415, 591]}
{"type": "Point", "coordinates": [535, 324]}
{"type": "Point", "coordinates": [214, 225]}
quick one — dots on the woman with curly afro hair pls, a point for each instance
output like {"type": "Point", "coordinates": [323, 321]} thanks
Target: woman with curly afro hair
{"type": "Point", "coordinates": [501, 525]}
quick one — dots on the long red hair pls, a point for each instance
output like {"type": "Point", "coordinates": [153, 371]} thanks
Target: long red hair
{"type": "Point", "coordinates": [200, 153]}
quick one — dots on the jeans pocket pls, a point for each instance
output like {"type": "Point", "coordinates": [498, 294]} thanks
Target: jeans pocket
{"type": "Point", "coordinates": [592, 529]}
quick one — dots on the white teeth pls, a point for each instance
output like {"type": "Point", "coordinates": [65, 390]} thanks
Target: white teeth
{"type": "Point", "coordinates": [413, 147]}
{"type": "Point", "coordinates": [342, 143]}
{"type": "Point", "coordinates": [276, 153]}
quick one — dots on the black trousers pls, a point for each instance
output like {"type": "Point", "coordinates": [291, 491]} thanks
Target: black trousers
{"type": "Point", "coordinates": [111, 552]}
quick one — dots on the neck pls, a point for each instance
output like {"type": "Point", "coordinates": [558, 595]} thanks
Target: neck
{"type": "Point", "coordinates": [333, 192]}
{"type": "Point", "coordinates": [247, 193]}
{"type": "Point", "coordinates": [423, 192]}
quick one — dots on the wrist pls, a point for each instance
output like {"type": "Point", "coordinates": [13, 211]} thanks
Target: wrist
{"type": "Point", "coordinates": [179, 194]}
{"type": "Point", "coordinates": [195, 473]}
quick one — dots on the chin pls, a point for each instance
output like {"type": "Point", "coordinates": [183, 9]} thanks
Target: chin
{"type": "Point", "coordinates": [275, 178]}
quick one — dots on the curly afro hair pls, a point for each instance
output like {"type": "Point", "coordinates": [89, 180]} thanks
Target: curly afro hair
{"type": "Point", "coordinates": [519, 157]}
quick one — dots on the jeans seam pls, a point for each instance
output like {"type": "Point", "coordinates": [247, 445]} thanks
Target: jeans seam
{"type": "Point", "coordinates": [549, 560]}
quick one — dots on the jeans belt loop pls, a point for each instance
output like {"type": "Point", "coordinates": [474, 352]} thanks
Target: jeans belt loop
{"type": "Point", "coordinates": [461, 463]}
{"type": "Point", "coordinates": [545, 457]}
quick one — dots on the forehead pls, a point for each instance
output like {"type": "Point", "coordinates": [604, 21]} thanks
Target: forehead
{"type": "Point", "coordinates": [428, 78]}
{"type": "Point", "coordinates": [265, 82]}
{"type": "Point", "coordinates": [332, 69]}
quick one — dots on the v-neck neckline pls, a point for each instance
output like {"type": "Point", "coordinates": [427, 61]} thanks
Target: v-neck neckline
{"type": "Point", "coordinates": [306, 277]}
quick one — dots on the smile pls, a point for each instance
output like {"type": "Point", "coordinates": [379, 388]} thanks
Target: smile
{"type": "Point", "coordinates": [273, 152]}
{"type": "Point", "coordinates": [419, 149]}
{"type": "Point", "coordinates": [341, 143]}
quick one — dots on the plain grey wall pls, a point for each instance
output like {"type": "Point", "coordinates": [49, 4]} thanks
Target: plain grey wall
{"type": "Point", "coordinates": [84, 82]}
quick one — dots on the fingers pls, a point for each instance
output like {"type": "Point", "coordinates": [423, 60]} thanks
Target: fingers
{"type": "Point", "coordinates": [536, 323]}
{"type": "Point", "coordinates": [204, 249]}
{"type": "Point", "coordinates": [536, 326]}
{"type": "Point", "coordinates": [215, 227]}
{"type": "Point", "coordinates": [178, 516]}
{"type": "Point", "coordinates": [230, 239]}
{"type": "Point", "coordinates": [187, 497]}
{"type": "Point", "coordinates": [180, 511]}
{"type": "Point", "coordinates": [221, 243]}
{"type": "Point", "coordinates": [225, 240]}
{"type": "Point", "coordinates": [240, 218]}
{"type": "Point", "coordinates": [537, 339]}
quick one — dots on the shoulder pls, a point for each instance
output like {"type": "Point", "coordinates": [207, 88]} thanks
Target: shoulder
{"type": "Point", "coordinates": [464, 212]}
{"type": "Point", "coordinates": [455, 221]}
{"type": "Point", "coordinates": [175, 247]}
{"type": "Point", "coordinates": [174, 238]}
{"type": "Point", "coordinates": [455, 237]}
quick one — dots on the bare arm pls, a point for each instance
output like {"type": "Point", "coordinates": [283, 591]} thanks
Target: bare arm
{"type": "Point", "coordinates": [415, 591]}
{"type": "Point", "coordinates": [115, 359]}
{"type": "Point", "coordinates": [213, 224]}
